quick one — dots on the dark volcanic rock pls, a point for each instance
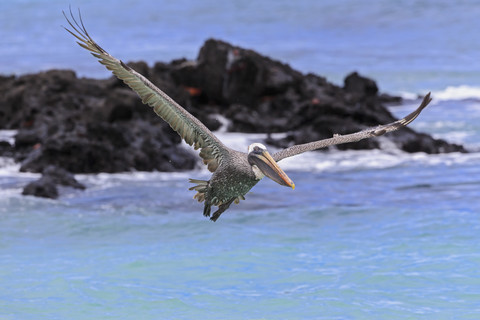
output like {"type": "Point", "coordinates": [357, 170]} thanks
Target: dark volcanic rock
{"type": "Point", "coordinates": [87, 125]}
{"type": "Point", "coordinates": [6, 149]}
{"type": "Point", "coordinates": [360, 86]}
{"type": "Point", "coordinates": [62, 177]}
{"type": "Point", "coordinates": [263, 95]}
{"type": "Point", "coordinates": [84, 126]}
{"type": "Point", "coordinates": [46, 186]}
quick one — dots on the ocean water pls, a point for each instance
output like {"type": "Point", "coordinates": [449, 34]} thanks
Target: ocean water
{"type": "Point", "coordinates": [407, 45]}
{"type": "Point", "coordinates": [365, 234]}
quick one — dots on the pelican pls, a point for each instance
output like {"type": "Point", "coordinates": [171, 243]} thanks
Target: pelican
{"type": "Point", "coordinates": [234, 172]}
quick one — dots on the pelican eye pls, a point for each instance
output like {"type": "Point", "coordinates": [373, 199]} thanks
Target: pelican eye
{"type": "Point", "coordinates": [257, 149]}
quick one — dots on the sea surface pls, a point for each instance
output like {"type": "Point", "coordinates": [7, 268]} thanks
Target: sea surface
{"type": "Point", "coordinates": [376, 234]}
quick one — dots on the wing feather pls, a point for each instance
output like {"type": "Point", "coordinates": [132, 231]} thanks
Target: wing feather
{"type": "Point", "coordinates": [353, 137]}
{"type": "Point", "coordinates": [186, 125]}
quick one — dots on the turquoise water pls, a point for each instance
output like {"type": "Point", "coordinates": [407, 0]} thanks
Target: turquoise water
{"type": "Point", "coordinates": [365, 235]}
{"type": "Point", "coordinates": [339, 247]}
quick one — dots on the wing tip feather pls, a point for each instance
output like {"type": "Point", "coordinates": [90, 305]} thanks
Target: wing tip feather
{"type": "Point", "coordinates": [138, 83]}
{"type": "Point", "coordinates": [125, 66]}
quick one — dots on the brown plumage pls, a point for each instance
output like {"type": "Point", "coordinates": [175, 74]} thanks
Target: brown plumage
{"type": "Point", "coordinates": [234, 172]}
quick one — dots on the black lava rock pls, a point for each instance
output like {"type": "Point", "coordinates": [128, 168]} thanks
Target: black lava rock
{"type": "Point", "coordinates": [44, 187]}
{"type": "Point", "coordinates": [47, 185]}
{"type": "Point", "coordinates": [89, 125]}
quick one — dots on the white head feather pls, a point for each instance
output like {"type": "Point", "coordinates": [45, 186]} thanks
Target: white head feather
{"type": "Point", "coordinates": [256, 144]}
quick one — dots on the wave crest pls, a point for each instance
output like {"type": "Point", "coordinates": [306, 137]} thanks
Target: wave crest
{"type": "Point", "coordinates": [462, 92]}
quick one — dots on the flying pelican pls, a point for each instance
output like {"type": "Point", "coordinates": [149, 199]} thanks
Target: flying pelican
{"type": "Point", "coordinates": [234, 172]}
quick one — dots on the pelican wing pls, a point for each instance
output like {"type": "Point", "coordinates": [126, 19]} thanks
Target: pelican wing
{"type": "Point", "coordinates": [353, 137]}
{"type": "Point", "coordinates": [186, 125]}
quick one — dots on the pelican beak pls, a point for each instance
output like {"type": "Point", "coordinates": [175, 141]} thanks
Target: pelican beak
{"type": "Point", "coordinates": [270, 168]}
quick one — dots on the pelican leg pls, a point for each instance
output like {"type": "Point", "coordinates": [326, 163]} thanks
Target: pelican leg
{"type": "Point", "coordinates": [221, 209]}
{"type": "Point", "coordinates": [206, 209]}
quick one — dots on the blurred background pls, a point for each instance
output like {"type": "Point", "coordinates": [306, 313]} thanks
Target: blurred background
{"type": "Point", "coordinates": [407, 46]}
{"type": "Point", "coordinates": [378, 234]}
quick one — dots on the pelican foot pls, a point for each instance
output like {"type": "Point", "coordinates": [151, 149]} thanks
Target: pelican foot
{"type": "Point", "coordinates": [206, 209]}
{"type": "Point", "coordinates": [221, 209]}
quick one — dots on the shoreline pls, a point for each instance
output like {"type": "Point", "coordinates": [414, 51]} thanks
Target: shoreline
{"type": "Point", "coordinates": [84, 125]}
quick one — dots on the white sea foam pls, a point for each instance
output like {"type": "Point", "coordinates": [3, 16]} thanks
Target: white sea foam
{"type": "Point", "coordinates": [8, 135]}
{"type": "Point", "coordinates": [334, 160]}
{"type": "Point", "coordinates": [8, 167]}
{"type": "Point", "coordinates": [327, 161]}
{"type": "Point", "coordinates": [224, 122]}
{"type": "Point", "coordinates": [11, 180]}
{"type": "Point", "coordinates": [105, 180]}
{"type": "Point", "coordinates": [462, 92]}
{"type": "Point", "coordinates": [317, 162]}
{"type": "Point", "coordinates": [457, 93]}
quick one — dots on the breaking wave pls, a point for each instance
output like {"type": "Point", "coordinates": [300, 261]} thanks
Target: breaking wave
{"type": "Point", "coordinates": [463, 92]}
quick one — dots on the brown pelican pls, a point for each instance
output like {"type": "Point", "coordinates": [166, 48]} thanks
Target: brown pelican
{"type": "Point", "coordinates": [234, 172]}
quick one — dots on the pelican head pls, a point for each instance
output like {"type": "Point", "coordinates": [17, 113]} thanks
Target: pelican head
{"type": "Point", "coordinates": [263, 165]}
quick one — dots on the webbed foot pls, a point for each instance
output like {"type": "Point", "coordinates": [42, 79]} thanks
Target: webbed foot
{"type": "Point", "coordinates": [221, 209]}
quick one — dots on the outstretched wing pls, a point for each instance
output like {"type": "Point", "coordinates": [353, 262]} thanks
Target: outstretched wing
{"type": "Point", "coordinates": [353, 137]}
{"type": "Point", "coordinates": [187, 126]}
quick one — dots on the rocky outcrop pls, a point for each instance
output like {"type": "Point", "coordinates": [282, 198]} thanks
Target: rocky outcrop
{"type": "Point", "coordinates": [47, 185]}
{"type": "Point", "coordinates": [90, 125]}
{"type": "Point", "coordinates": [86, 126]}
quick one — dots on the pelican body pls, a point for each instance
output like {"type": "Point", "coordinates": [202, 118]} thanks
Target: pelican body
{"type": "Point", "coordinates": [237, 174]}
{"type": "Point", "coordinates": [234, 172]}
